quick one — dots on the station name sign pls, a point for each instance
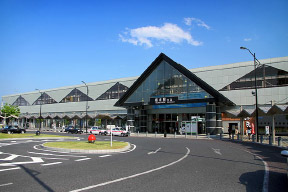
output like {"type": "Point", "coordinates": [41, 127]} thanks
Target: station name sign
{"type": "Point", "coordinates": [163, 100]}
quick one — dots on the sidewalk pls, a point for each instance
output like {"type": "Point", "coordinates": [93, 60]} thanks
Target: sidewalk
{"type": "Point", "coordinates": [284, 139]}
{"type": "Point", "coordinates": [283, 143]}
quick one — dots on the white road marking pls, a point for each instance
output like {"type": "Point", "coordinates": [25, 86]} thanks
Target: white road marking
{"type": "Point", "coordinates": [134, 147]}
{"type": "Point", "coordinates": [6, 184]}
{"type": "Point", "coordinates": [266, 174]}
{"type": "Point", "coordinates": [105, 156]}
{"type": "Point", "coordinates": [11, 157]}
{"type": "Point", "coordinates": [55, 163]}
{"type": "Point", "coordinates": [35, 147]}
{"type": "Point", "coordinates": [9, 169]}
{"type": "Point", "coordinates": [133, 176]}
{"type": "Point", "coordinates": [50, 154]}
{"type": "Point", "coordinates": [54, 158]}
{"type": "Point", "coordinates": [13, 141]}
{"type": "Point", "coordinates": [153, 152]}
{"type": "Point", "coordinates": [35, 160]}
{"type": "Point", "coordinates": [5, 144]}
{"type": "Point", "coordinates": [217, 151]}
{"type": "Point", "coordinates": [83, 159]}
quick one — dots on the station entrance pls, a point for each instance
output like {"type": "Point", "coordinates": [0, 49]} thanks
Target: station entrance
{"type": "Point", "coordinates": [176, 123]}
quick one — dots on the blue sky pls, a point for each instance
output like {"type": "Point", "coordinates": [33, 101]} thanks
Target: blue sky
{"type": "Point", "coordinates": [54, 43]}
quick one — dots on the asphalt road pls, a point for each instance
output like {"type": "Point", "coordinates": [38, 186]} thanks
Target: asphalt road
{"type": "Point", "coordinates": [152, 164]}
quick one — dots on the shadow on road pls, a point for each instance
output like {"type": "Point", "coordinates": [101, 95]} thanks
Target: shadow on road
{"type": "Point", "coordinates": [34, 174]}
{"type": "Point", "coordinates": [250, 178]}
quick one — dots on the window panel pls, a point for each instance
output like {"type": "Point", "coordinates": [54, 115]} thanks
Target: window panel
{"type": "Point", "coordinates": [165, 81]}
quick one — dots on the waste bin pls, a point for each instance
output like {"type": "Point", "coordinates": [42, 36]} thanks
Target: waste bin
{"type": "Point", "coordinates": [37, 132]}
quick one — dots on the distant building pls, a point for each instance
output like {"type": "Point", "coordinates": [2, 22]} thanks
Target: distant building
{"type": "Point", "coordinates": [165, 98]}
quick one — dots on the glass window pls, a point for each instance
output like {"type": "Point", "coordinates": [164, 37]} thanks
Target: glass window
{"type": "Point", "coordinates": [75, 96]}
{"type": "Point", "coordinates": [115, 92]}
{"type": "Point", "coordinates": [44, 99]}
{"type": "Point", "coordinates": [266, 76]}
{"type": "Point", "coordinates": [166, 81]}
{"type": "Point", "coordinates": [20, 101]}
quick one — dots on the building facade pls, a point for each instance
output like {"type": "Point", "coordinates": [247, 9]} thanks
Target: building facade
{"type": "Point", "coordinates": [165, 98]}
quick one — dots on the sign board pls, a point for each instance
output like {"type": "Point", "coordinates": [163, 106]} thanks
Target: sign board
{"type": "Point", "coordinates": [163, 100]}
{"type": "Point", "coordinates": [197, 119]}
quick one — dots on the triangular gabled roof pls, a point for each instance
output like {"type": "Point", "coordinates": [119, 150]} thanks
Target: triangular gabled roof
{"type": "Point", "coordinates": [44, 97]}
{"type": "Point", "coordinates": [79, 93]}
{"type": "Point", "coordinates": [20, 101]}
{"type": "Point", "coordinates": [162, 57]}
{"type": "Point", "coordinates": [118, 88]}
{"type": "Point", "coordinates": [261, 72]}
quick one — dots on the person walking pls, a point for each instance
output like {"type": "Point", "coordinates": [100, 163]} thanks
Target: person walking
{"type": "Point", "coordinates": [230, 131]}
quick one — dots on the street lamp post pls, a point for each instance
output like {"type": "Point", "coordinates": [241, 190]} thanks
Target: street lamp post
{"type": "Point", "coordinates": [86, 106]}
{"type": "Point", "coordinates": [40, 115]}
{"type": "Point", "coordinates": [256, 92]}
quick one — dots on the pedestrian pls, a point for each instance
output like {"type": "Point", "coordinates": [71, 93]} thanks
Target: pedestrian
{"type": "Point", "coordinates": [249, 133]}
{"type": "Point", "coordinates": [230, 131]}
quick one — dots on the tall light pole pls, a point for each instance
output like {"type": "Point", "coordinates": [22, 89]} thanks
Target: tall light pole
{"type": "Point", "coordinates": [256, 62]}
{"type": "Point", "coordinates": [40, 115]}
{"type": "Point", "coordinates": [86, 106]}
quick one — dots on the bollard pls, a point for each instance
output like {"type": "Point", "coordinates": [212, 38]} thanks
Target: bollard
{"type": "Point", "coordinates": [146, 133]}
{"type": "Point", "coordinates": [220, 136]}
{"type": "Point", "coordinates": [185, 134]}
{"type": "Point", "coordinates": [238, 136]}
{"type": "Point", "coordinates": [138, 133]}
{"type": "Point", "coordinates": [279, 141]}
{"type": "Point", "coordinates": [155, 134]}
{"type": "Point", "coordinates": [175, 134]}
{"type": "Point", "coordinates": [270, 140]}
{"type": "Point", "coordinates": [165, 133]}
{"type": "Point", "coordinates": [261, 138]}
{"type": "Point", "coordinates": [208, 135]}
{"type": "Point", "coordinates": [253, 138]}
{"type": "Point", "coordinates": [233, 136]}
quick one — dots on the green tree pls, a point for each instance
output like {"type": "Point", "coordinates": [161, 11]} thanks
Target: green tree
{"type": "Point", "coordinates": [9, 110]}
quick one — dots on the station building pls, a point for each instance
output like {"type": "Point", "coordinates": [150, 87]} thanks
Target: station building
{"type": "Point", "coordinates": [165, 98]}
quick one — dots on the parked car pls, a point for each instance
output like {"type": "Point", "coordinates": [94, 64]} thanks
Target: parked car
{"type": "Point", "coordinates": [124, 132]}
{"type": "Point", "coordinates": [118, 131]}
{"type": "Point", "coordinates": [95, 130]}
{"type": "Point", "coordinates": [72, 129]}
{"type": "Point", "coordinates": [13, 129]}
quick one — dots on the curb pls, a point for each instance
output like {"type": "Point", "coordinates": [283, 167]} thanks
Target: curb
{"type": "Point", "coordinates": [27, 138]}
{"type": "Point", "coordinates": [107, 151]}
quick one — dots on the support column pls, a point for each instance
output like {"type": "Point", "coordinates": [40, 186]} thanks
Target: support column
{"type": "Point", "coordinates": [211, 120]}
{"type": "Point", "coordinates": [219, 124]}
{"type": "Point", "coordinates": [131, 119]}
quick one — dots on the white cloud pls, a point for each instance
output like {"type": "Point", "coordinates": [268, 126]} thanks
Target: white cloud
{"type": "Point", "coordinates": [248, 39]}
{"type": "Point", "coordinates": [168, 32]}
{"type": "Point", "coordinates": [189, 20]}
